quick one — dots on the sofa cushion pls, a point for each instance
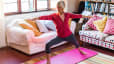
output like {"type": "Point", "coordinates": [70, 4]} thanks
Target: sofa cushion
{"type": "Point", "coordinates": [41, 25]}
{"type": "Point", "coordinates": [25, 26]}
{"type": "Point", "coordinates": [50, 25]}
{"type": "Point", "coordinates": [45, 37]}
{"type": "Point", "coordinates": [100, 24]}
{"type": "Point", "coordinates": [28, 26]}
{"type": "Point", "coordinates": [33, 23]}
{"type": "Point", "coordinates": [91, 20]}
{"type": "Point", "coordinates": [109, 28]}
{"type": "Point", "coordinates": [69, 21]}
{"type": "Point", "coordinates": [93, 34]}
{"type": "Point", "coordinates": [110, 39]}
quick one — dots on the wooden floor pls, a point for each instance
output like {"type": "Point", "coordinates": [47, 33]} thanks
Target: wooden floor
{"type": "Point", "coordinates": [12, 56]}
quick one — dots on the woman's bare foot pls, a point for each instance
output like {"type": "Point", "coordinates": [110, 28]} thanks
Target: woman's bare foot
{"type": "Point", "coordinates": [48, 58]}
{"type": "Point", "coordinates": [81, 51]}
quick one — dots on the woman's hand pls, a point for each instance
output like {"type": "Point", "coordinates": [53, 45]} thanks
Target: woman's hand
{"type": "Point", "coordinates": [86, 16]}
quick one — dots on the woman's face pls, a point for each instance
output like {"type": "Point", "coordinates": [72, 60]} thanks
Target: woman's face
{"type": "Point", "coordinates": [60, 9]}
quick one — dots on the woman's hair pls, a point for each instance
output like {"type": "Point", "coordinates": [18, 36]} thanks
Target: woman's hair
{"type": "Point", "coordinates": [61, 4]}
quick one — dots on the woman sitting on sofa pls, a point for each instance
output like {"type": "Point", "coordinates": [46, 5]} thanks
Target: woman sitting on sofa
{"type": "Point", "coordinates": [64, 33]}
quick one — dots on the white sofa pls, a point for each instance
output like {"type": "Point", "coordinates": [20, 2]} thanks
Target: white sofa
{"type": "Point", "coordinates": [25, 41]}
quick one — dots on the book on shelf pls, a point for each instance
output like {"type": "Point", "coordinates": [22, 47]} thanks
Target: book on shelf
{"type": "Point", "coordinates": [97, 7]}
{"type": "Point", "coordinates": [93, 7]}
{"type": "Point", "coordinates": [107, 0]}
{"type": "Point", "coordinates": [93, 0]}
{"type": "Point", "coordinates": [106, 8]}
{"type": "Point", "coordinates": [100, 0]}
{"type": "Point", "coordinates": [102, 8]}
{"type": "Point", "coordinates": [112, 11]}
{"type": "Point", "coordinates": [111, 8]}
{"type": "Point", "coordinates": [88, 6]}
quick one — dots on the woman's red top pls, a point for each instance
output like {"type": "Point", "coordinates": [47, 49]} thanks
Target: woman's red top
{"type": "Point", "coordinates": [62, 27]}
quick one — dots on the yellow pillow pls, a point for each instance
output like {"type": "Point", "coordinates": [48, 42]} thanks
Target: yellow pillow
{"type": "Point", "coordinates": [100, 24]}
{"type": "Point", "coordinates": [69, 21]}
{"type": "Point", "coordinates": [33, 23]}
{"type": "Point", "coordinates": [25, 26]}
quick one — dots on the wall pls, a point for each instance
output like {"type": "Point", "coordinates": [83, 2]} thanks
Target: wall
{"type": "Point", "coordinates": [2, 26]}
{"type": "Point", "coordinates": [72, 5]}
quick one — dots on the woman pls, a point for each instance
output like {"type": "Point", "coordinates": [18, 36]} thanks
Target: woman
{"type": "Point", "coordinates": [60, 19]}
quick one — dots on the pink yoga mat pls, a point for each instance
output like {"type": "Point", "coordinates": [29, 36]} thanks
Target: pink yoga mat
{"type": "Point", "coordinates": [70, 57]}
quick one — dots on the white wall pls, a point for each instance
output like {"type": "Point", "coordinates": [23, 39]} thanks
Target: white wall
{"type": "Point", "coordinates": [72, 5]}
{"type": "Point", "coordinates": [2, 26]}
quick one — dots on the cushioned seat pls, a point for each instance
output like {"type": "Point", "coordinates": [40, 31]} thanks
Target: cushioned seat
{"type": "Point", "coordinates": [110, 39]}
{"type": "Point", "coordinates": [93, 34]}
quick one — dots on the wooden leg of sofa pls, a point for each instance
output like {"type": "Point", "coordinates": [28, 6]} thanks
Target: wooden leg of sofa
{"type": "Point", "coordinates": [84, 44]}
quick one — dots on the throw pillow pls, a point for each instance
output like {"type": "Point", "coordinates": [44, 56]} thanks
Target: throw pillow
{"type": "Point", "coordinates": [69, 21]}
{"type": "Point", "coordinates": [91, 20]}
{"type": "Point", "coordinates": [41, 25]}
{"type": "Point", "coordinates": [109, 28]}
{"type": "Point", "coordinates": [27, 26]}
{"type": "Point", "coordinates": [100, 24]}
{"type": "Point", "coordinates": [33, 23]}
{"type": "Point", "coordinates": [50, 25]}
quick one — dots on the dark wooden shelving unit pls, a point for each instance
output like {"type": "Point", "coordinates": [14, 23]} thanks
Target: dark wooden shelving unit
{"type": "Point", "coordinates": [103, 1]}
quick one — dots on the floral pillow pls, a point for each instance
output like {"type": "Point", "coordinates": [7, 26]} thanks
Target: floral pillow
{"type": "Point", "coordinates": [91, 20]}
{"type": "Point", "coordinates": [109, 28]}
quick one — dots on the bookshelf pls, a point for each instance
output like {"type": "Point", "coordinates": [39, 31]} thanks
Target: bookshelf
{"type": "Point", "coordinates": [94, 1]}
{"type": "Point", "coordinates": [101, 6]}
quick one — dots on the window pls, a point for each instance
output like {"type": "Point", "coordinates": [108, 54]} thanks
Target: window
{"type": "Point", "coordinates": [20, 6]}
{"type": "Point", "coordinates": [42, 4]}
{"type": "Point", "coordinates": [53, 3]}
{"type": "Point", "coordinates": [27, 5]}
{"type": "Point", "coordinates": [10, 6]}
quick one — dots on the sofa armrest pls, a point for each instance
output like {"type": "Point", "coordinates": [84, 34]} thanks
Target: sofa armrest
{"type": "Point", "coordinates": [73, 27]}
{"type": "Point", "coordinates": [83, 26]}
{"type": "Point", "coordinates": [19, 36]}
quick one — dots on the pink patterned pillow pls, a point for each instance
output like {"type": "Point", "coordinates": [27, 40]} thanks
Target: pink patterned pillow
{"type": "Point", "coordinates": [109, 28]}
{"type": "Point", "coordinates": [91, 20]}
